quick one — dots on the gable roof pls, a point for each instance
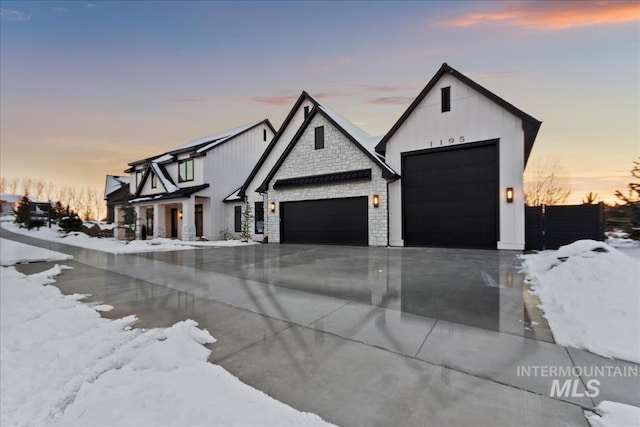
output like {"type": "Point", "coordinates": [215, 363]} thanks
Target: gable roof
{"type": "Point", "coordinates": [360, 139]}
{"type": "Point", "coordinates": [200, 146]}
{"type": "Point", "coordinates": [303, 96]}
{"type": "Point", "coordinates": [530, 125]}
{"type": "Point", "coordinates": [114, 183]}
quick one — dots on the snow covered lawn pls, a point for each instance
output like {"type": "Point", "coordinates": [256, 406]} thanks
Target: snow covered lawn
{"type": "Point", "coordinates": [63, 364]}
{"type": "Point", "coordinates": [15, 253]}
{"type": "Point", "coordinates": [590, 294]}
{"type": "Point", "coordinates": [117, 246]}
{"type": "Point", "coordinates": [614, 414]}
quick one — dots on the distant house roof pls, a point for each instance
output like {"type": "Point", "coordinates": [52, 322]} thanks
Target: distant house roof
{"type": "Point", "coordinates": [200, 146]}
{"type": "Point", "coordinates": [10, 198]}
{"type": "Point", "coordinates": [114, 183]}
{"type": "Point", "coordinates": [361, 140]}
{"type": "Point", "coordinates": [530, 125]}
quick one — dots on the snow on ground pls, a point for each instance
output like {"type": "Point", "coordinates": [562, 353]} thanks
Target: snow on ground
{"type": "Point", "coordinates": [115, 246]}
{"type": "Point", "coordinates": [15, 253]}
{"type": "Point", "coordinates": [614, 414]}
{"type": "Point", "coordinates": [590, 294]}
{"type": "Point", "coordinates": [63, 364]}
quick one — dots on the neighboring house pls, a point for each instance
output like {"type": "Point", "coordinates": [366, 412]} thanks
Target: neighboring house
{"type": "Point", "coordinates": [8, 203]}
{"type": "Point", "coordinates": [179, 194]}
{"type": "Point", "coordinates": [328, 186]}
{"type": "Point", "coordinates": [461, 151]}
{"type": "Point", "coordinates": [116, 193]}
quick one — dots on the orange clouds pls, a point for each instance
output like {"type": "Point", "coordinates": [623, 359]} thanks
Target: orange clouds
{"type": "Point", "coordinates": [555, 15]}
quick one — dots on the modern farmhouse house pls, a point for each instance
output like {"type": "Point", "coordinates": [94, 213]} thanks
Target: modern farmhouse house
{"type": "Point", "coordinates": [461, 152]}
{"type": "Point", "coordinates": [178, 194]}
{"type": "Point", "coordinates": [449, 173]}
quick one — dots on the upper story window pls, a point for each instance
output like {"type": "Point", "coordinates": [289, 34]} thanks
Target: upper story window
{"type": "Point", "coordinates": [185, 170]}
{"type": "Point", "coordinates": [319, 137]}
{"type": "Point", "coordinates": [139, 174]}
{"type": "Point", "coordinates": [446, 98]}
{"type": "Point", "coordinates": [154, 181]}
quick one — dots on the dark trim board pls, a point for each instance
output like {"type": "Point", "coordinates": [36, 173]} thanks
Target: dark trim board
{"type": "Point", "coordinates": [455, 197]}
{"type": "Point", "coordinates": [324, 179]}
{"type": "Point", "coordinates": [341, 221]}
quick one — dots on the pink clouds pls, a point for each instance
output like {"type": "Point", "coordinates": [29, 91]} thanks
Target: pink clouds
{"type": "Point", "coordinates": [554, 15]}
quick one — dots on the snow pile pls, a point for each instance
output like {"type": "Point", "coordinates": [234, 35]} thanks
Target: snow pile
{"type": "Point", "coordinates": [14, 253]}
{"type": "Point", "coordinates": [614, 414]}
{"type": "Point", "coordinates": [62, 364]}
{"type": "Point", "coordinates": [620, 239]}
{"type": "Point", "coordinates": [590, 293]}
{"type": "Point", "coordinates": [115, 246]}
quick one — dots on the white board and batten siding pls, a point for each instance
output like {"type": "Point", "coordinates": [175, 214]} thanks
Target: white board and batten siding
{"type": "Point", "coordinates": [472, 118]}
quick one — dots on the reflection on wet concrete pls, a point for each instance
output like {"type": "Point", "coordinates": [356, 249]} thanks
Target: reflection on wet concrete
{"type": "Point", "coordinates": [477, 288]}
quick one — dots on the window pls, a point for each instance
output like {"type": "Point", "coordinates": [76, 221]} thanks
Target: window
{"type": "Point", "coordinates": [264, 135]}
{"type": "Point", "coordinates": [154, 181]}
{"type": "Point", "coordinates": [306, 112]}
{"type": "Point", "coordinates": [446, 98]}
{"type": "Point", "coordinates": [319, 137]}
{"type": "Point", "coordinates": [185, 170]}
{"type": "Point", "coordinates": [259, 217]}
{"type": "Point", "coordinates": [139, 174]}
{"type": "Point", "coordinates": [237, 219]}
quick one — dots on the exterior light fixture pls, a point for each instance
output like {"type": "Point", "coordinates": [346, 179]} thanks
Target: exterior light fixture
{"type": "Point", "coordinates": [180, 214]}
{"type": "Point", "coordinates": [510, 195]}
{"type": "Point", "coordinates": [376, 200]}
{"type": "Point", "coordinates": [272, 207]}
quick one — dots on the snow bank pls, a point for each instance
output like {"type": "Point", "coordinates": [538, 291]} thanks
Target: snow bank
{"type": "Point", "coordinates": [590, 293]}
{"type": "Point", "coordinates": [14, 253]}
{"type": "Point", "coordinates": [62, 364]}
{"type": "Point", "coordinates": [115, 246]}
{"type": "Point", "coordinates": [614, 414]}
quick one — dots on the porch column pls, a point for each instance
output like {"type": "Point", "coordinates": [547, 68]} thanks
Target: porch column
{"type": "Point", "coordinates": [159, 224]}
{"type": "Point", "coordinates": [188, 220]}
{"type": "Point", "coordinates": [139, 222]}
{"type": "Point", "coordinates": [118, 233]}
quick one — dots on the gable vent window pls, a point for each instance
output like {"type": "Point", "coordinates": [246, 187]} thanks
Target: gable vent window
{"type": "Point", "coordinates": [306, 112]}
{"type": "Point", "coordinates": [319, 137]}
{"type": "Point", "coordinates": [139, 173]}
{"type": "Point", "coordinates": [264, 135]}
{"type": "Point", "coordinates": [446, 98]}
{"type": "Point", "coordinates": [154, 181]}
{"type": "Point", "coordinates": [185, 170]}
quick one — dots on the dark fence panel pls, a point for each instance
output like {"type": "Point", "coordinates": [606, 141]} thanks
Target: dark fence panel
{"type": "Point", "coordinates": [533, 233]}
{"type": "Point", "coordinates": [556, 226]}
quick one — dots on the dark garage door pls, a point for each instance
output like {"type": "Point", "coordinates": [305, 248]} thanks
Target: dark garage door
{"type": "Point", "coordinates": [450, 197]}
{"type": "Point", "coordinates": [329, 222]}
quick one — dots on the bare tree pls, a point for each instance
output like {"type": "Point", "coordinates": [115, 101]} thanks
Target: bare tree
{"type": "Point", "coordinates": [590, 198]}
{"type": "Point", "coordinates": [50, 191]}
{"type": "Point", "coordinates": [38, 189]}
{"type": "Point", "coordinates": [97, 205]}
{"type": "Point", "coordinates": [26, 186]}
{"type": "Point", "coordinates": [72, 198]}
{"type": "Point", "coordinates": [63, 195]}
{"type": "Point", "coordinates": [633, 194]}
{"type": "Point", "coordinates": [12, 185]}
{"type": "Point", "coordinates": [3, 184]}
{"type": "Point", "coordinates": [545, 184]}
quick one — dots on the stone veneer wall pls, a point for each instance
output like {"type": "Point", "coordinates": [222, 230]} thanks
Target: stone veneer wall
{"type": "Point", "coordinates": [338, 155]}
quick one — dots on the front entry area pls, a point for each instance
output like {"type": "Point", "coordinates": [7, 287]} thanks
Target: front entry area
{"type": "Point", "coordinates": [450, 196]}
{"type": "Point", "coordinates": [327, 222]}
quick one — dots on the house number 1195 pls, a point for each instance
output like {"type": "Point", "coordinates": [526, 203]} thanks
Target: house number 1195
{"type": "Point", "coordinates": [450, 141]}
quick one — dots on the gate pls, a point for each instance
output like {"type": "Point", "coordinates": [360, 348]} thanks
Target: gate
{"type": "Point", "coordinates": [550, 227]}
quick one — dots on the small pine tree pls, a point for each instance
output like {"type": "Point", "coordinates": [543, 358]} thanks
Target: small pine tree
{"type": "Point", "coordinates": [247, 216]}
{"type": "Point", "coordinates": [22, 212]}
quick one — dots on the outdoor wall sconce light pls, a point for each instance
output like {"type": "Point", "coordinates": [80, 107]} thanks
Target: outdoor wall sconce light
{"type": "Point", "coordinates": [376, 201]}
{"type": "Point", "coordinates": [272, 207]}
{"type": "Point", "coordinates": [180, 214]}
{"type": "Point", "coordinates": [510, 195]}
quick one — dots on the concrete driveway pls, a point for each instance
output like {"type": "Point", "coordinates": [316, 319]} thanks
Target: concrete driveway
{"type": "Point", "coordinates": [360, 336]}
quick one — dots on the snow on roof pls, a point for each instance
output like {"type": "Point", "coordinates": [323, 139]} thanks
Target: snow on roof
{"type": "Point", "coordinates": [163, 158]}
{"type": "Point", "coordinates": [367, 142]}
{"type": "Point", "coordinates": [233, 197]}
{"type": "Point", "coordinates": [166, 182]}
{"type": "Point", "coordinates": [217, 137]}
{"type": "Point", "coordinates": [10, 198]}
{"type": "Point", "coordinates": [114, 183]}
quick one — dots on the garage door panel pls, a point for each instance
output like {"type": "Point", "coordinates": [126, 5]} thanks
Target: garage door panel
{"type": "Point", "coordinates": [450, 197]}
{"type": "Point", "coordinates": [330, 221]}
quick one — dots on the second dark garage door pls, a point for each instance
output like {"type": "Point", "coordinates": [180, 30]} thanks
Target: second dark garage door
{"type": "Point", "coordinates": [450, 197]}
{"type": "Point", "coordinates": [329, 222]}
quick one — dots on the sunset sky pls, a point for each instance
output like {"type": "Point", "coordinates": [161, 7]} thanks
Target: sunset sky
{"type": "Point", "coordinates": [86, 87]}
